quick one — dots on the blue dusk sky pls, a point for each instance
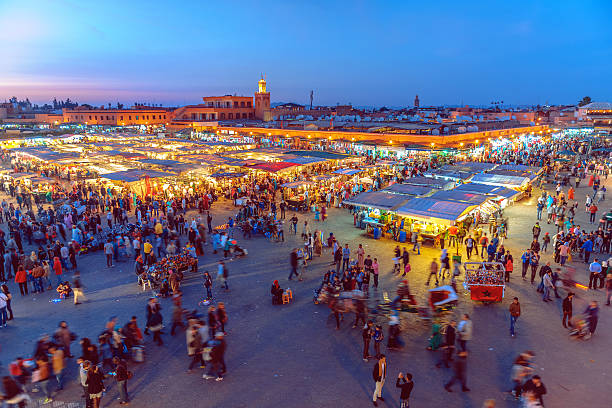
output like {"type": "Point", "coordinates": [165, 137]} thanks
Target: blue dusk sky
{"type": "Point", "coordinates": [368, 53]}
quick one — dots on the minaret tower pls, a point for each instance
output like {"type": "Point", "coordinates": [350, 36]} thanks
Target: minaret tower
{"type": "Point", "coordinates": [262, 101]}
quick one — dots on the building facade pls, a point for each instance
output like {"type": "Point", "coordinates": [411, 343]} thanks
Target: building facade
{"type": "Point", "coordinates": [117, 117]}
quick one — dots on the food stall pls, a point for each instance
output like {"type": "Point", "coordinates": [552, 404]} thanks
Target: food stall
{"type": "Point", "coordinates": [295, 194]}
{"type": "Point", "coordinates": [430, 217]}
{"type": "Point", "coordinates": [377, 211]}
{"type": "Point", "coordinates": [485, 281]}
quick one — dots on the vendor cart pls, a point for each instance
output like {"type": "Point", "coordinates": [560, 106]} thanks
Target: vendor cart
{"type": "Point", "coordinates": [485, 281]}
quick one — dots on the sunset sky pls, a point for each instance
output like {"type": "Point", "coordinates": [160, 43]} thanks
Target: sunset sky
{"type": "Point", "coordinates": [361, 52]}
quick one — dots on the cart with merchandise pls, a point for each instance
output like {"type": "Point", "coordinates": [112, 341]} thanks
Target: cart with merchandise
{"type": "Point", "coordinates": [485, 281]}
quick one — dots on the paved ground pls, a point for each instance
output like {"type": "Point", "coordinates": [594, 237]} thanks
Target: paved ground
{"type": "Point", "coordinates": [291, 356]}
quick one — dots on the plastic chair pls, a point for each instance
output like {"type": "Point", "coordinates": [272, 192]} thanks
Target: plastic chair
{"type": "Point", "coordinates": [289, 293]}
{"type": "Point", "coordinates": [286, 298]}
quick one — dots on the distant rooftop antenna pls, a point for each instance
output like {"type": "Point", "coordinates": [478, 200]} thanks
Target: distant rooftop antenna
{"type": "Point", "coordinates": [311, 96]}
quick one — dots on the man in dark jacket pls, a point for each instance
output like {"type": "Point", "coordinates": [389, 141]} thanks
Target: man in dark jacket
{"type": "Point", "coordinates": [379, 373]}
{"type": "Point", "coordinates": [449, 343]}
{"type": "Point", "coordinates": [535, 387]}
{"type": "Point", "coordinates": [367, 333]}
{"type": "Point", "coordinates": [405, 383]}
{"type": "Point", "coordinates": [567, 309]}
{"type": "Point", "coordinates": [217, 362]}
{"type": "Point", "coordinates": [121, 376]}
{"type": "Point", "coordinates": [460, 372]}
{"type": "Point", "coordinates": [294, 263]}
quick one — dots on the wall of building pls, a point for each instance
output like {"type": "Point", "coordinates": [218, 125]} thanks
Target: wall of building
{"type": "Point", "coordinates": [117, 117]}
{"type": "Point", "coordinates": [392, 138]}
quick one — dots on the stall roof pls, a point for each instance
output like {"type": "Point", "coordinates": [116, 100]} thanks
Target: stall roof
{"type": "Point", "coordinates": [487, 189]}
{"type": "Point", "coordinates": [474, 166]}
{"type": "Point", "coordinates": [127, 155]}
{"type": "Point", "coordinates": [302, 160]}
{"type": "Point", "coordinates": [460, 196]}
{"type": "Point", "coordinates": [347, 172]}
{"type": "Point", "coordinates": [500, 180]}
{"type": "Point", "coordinates": [377, 199]}
{"type": "Point", "coordinates": [520, 168]}
{"type": "Point", "coordinates": [296, 184]}
{"type": "Point", "coordinates": [227, 175]}
{"type": "Point", "coordinates": [46, 154]}
{"type": "Point", "coordinates": [528, 174]}
{"type": "Point", "coordinates": [272, 167]}
{"type": "Point", "coordinates": [320, 154]}
{"type": "Point", "coordinates": [409, 190]}
{"type": "Point", "coordinates": [135, 175]}
{"type": "Point", "coordinates": [429, 209]}
{"type": "Point", "coordinates": [429, 182]}
{"type": "Point", "coordinates": [159, 162]}
{"type": "Point", "coordinates": [449, 174]}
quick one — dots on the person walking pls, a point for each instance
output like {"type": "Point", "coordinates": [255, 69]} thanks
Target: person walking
{"type": "Point", "coordinates": [379, 373]}
{"type": "Point", "coordinates": [405, 383]}
{"type": "Point", "coordinates": [122, 375]}
{"type": "Point", "coordinates": [548, 286]}
{"type": "Point", "coordinates": [460, 372]}
{"type": "Point", "coordinates": [567, 307]}
{"type": "Point", "coordinates": [515, 312]}
{"type": "Point", "coordinates": [367, 334]}
{"type": "Point", "coordinates": [608, 288]}
{"type": "Point", "coordinates": [77, 288]}
{"type": "Point", "coordinates": [433, 271]}
{"type": "Point", "coordinates": [592, 313]}
{"type": "Point", "coordinates": [465, 331]}
{"type": "Point", "coordinates": [95, 385]}
{"type": "Point", "coordinates": [108, 252]}
{"type": "Point", "coordinates": [293, 259]}
{"type": "Point", "coordinates": [535, 387]}
{"type": "Point", "coordinates": [525, 258]}
{"type": "Point", "coordinates": [58, 363]}
{"type": "Point", "coordinates": [450, 337]}
{"type": "Point", "coordinates": [3, 304]}
{"type": "Point", "coordinates": [469, 246]}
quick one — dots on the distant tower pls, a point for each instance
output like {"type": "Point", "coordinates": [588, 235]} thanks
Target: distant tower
{"type": "Point", "coordinates": [262, 101]}
{"type": "Point", "coordinates": [311, 96]}
{"type": "Point", "coordinates": [416, 101]}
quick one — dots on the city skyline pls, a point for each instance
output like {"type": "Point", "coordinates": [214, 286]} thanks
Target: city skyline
{"type": "Point", "coordinates": [367, 55]}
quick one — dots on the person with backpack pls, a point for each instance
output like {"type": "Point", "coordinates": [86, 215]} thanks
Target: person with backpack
{"type": "Point", "coordinates": [122, 375]}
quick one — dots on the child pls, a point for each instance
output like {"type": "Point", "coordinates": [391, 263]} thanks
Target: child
{"type": "Point", "coordinates": [378, 338]}
{"type": "Point", "coordinates": [396, 265]}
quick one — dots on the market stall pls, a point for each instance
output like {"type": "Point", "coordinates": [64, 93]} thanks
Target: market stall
{"type": "Point", "coordinates": [431, 217]}
{"type": "Point", "coordinates": [485, 281]}
{"type": "Point", "coordinates": [377, 211]}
